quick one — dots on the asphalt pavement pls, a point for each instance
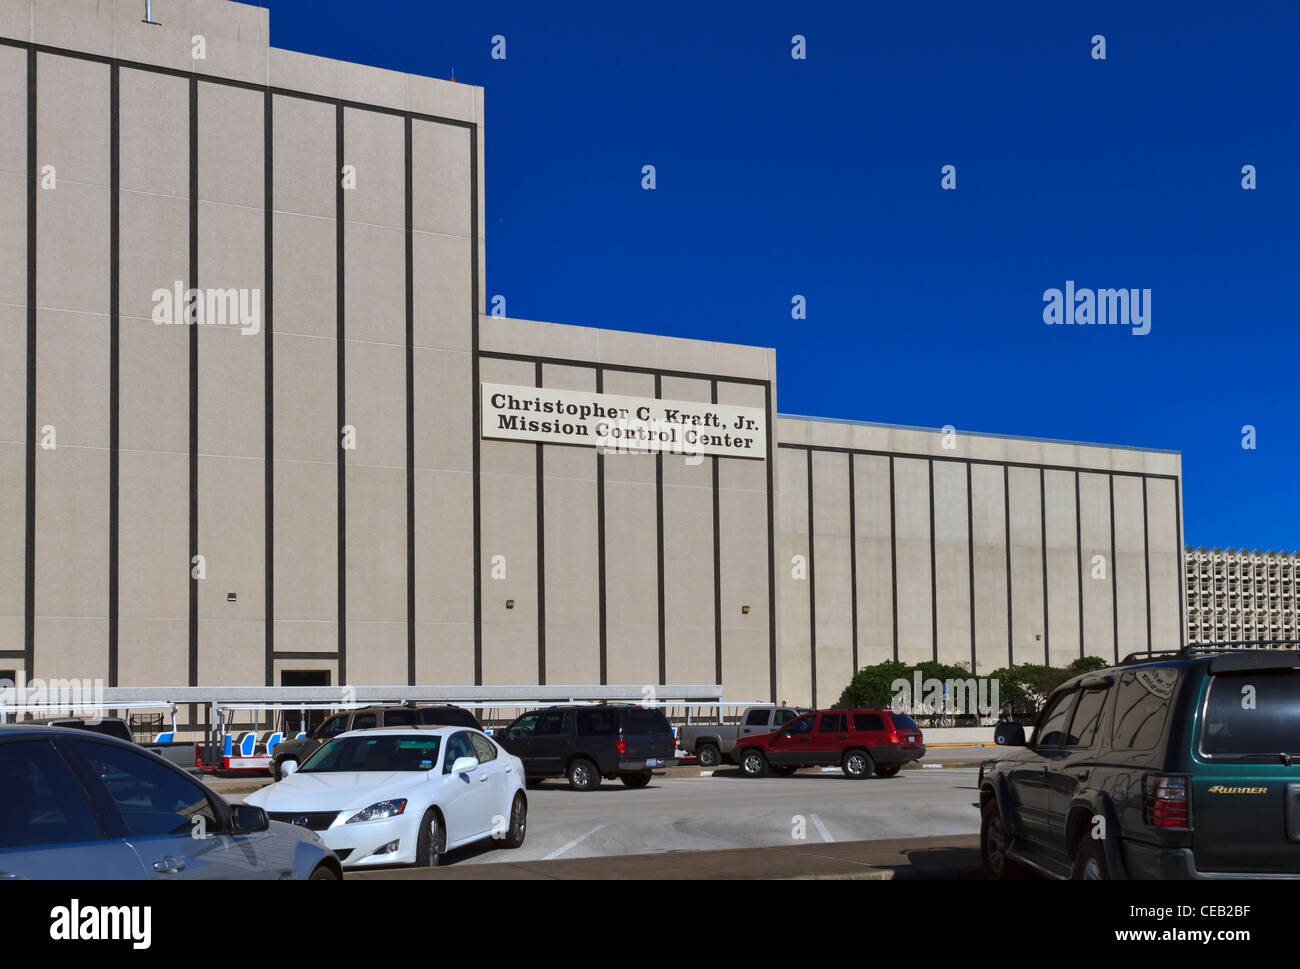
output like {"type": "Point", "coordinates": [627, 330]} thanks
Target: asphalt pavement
{"type": "Point", "coordinates": [689, 812]}
{"type": "Point", "coordinates": [691, 822]}
{"type": "Point", "coordinates": [941, 857]}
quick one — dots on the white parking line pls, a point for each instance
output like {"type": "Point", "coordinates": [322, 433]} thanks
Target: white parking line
{"type": "Point", "coordinates": [821, 828]}
{"type": "Point", "coordinates": [576, 841]}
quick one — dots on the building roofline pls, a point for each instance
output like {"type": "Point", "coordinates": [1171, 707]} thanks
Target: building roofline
{"type": "Point", "coordinates": [1005, 437]}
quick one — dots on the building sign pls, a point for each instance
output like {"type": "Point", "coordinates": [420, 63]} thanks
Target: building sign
{"type": "Point", "coordinates": [639, 425]}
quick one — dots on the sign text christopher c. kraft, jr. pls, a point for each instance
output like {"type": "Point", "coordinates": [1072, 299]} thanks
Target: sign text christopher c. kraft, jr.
{"type": "Point", "coordinates": [623, 424]}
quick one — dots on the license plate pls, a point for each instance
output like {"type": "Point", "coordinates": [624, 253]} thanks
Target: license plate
{"type": "Point", "coordinates": [654, 762]}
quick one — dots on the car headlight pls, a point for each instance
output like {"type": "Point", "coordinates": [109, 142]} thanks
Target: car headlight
{"type": "Point", "coordinates": [380, 811]}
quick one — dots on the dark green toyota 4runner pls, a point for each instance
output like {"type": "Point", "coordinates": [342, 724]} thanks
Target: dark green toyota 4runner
{"type": "Point", "coordinates": [1182, 764]}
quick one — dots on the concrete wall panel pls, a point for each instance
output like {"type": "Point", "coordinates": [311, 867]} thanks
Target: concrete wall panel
{"type": "Point", "coordinates": [952, 562]}
{"type": "Point", "coordinates": [1027, 628]}
{"type": "Point", "coordinates": [1062, 568]}
{"type": "Point", "coordinates": [444, 551]}
{"type": "Point", "coordinates": [1166, 564]}
{"type": "Point", "coordinates": [794, 565]}
{"type": "Point", "coordinates": [834, 582]}
{"type": "Point", "coordinates": [746, 640]}
{"type": "Point", "coordinates": [874, 559]}
{"type": "Point", "coordinates": [912, 510]}
{"type": "Point", "coordinates": [1130, 564]}
{"type": "Point", "coordinates": [13, 528]}
{"type": "Point", "coordinates": [1098, 595]}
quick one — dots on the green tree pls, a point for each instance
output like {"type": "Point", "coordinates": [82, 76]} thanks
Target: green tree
{"type": "Point", "coordinates": [870, 685]}
{"type": "Point", "coordinates": [1022, 689]}
{"type": "Point", "coordinates": [1012, 694]}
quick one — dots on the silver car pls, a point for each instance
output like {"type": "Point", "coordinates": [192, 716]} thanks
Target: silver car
{"type": "Point", "coordinates": [78, 805]}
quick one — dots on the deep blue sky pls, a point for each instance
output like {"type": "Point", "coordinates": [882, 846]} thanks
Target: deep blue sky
{"type": "Point", "coordinates": [821, 177]}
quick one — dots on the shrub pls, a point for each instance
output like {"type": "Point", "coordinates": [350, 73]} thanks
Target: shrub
{"type": "Point", "coordinates": [1021, 689]}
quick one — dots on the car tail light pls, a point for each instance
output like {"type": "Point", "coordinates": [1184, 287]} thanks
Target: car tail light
{"type": "Point", "coordinates": [621, 746]}
{"type": "Point", "coordinates": [1165, 804]}
{"type": "Point", "coordinates": [198, 755]}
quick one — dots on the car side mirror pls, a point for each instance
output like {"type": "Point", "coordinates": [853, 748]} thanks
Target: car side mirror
{"type": "Point", "coordinates": [463, 765]}
{"type": "Point", "coordinates": [1009, 734]}
{"type": "Point", "coordinates": [288, 767]}
{"type": "Point", "coordinates": [248, 819]}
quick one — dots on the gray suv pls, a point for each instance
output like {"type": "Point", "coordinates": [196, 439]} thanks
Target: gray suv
{"type": "Point", "coordinates": [78, 805]}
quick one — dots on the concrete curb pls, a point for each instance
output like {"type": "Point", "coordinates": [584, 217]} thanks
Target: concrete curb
{"type": "Point", "coordinates": [909, 859]}
{"type": "Point", "coordinates": [957, 873]}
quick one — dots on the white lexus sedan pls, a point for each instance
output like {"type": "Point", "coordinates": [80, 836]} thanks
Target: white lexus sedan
{"type": "Point", "coordinates": [403, 795]}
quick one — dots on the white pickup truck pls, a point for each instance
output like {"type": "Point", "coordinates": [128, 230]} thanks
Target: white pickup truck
{"type": "Point", "coordinates": [712, 743]}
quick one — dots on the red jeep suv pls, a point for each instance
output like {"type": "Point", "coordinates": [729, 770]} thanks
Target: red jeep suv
{"type": "Point", "coordinates": [859, 741]}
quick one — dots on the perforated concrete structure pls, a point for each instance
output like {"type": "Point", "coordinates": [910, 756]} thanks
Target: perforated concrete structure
{"type": "Point", "coordinates": [1241, 595]}
{"type": "Point", "coordinates": [309, 492]}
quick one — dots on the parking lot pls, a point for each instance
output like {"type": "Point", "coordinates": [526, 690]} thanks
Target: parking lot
{"type": "Point", "coordinates": [686, 810]}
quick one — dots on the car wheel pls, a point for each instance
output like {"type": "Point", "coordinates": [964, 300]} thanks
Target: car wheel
{"type": "Point", "coordinates": [889, 771]}
{"type": "Point", "coordinates": [709, 755]}
{"type": "Point", "coordinates": [857, 764]}
{"type": "Point", "coordinates": [1090, 861]}
{"type": "Point", "coordinates": [324, 873]}
{"type": "Point", "coordinates": [583, 775]}
{"type": "Point", "coordinates": [279, 766]}
{"type": "Point", "coordinates": [753, 763]}
{"type": "Point", "coordinates": [994, 842]}
{"type": "Point", "coordinates": [518, 823]}
{"type": "Point", "coordinates": [640, 779]}
{"type": "Point", "coordinates": [432, 842]}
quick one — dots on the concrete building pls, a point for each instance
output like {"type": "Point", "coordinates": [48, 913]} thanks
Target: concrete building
{"type": "Point", "coordinates": [1235, 595]}
{"type": "Point", "coordinates": [304, 476]}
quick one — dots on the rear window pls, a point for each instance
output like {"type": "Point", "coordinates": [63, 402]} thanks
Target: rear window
{"type": "Point", "coordinates": [1142, 701]}
{"type": "Point", "coordinates": [868, 721]}
{"type": "Point", "coordinates": [903, 722]}
{"type": "Point", "coordinates": [832, 723]}
{"type": "Point", "coordinates": [597, 723]}
{"type": "Point", "coordinates": [757, 718]}
{"type": "Point", "coordinates": [448, 717]}
{"type": "Point", "coordinates": [1252, 715]}
{"type": "Point", "coordinates": [110, 728]}
{"type": "Point", "coordinates": [645, 722]}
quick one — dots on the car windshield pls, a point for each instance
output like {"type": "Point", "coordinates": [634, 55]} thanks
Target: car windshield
{"type": "Point", "coordinates": [374, 753]}
{"type": "Point", "coordinates": [1252, 716]}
